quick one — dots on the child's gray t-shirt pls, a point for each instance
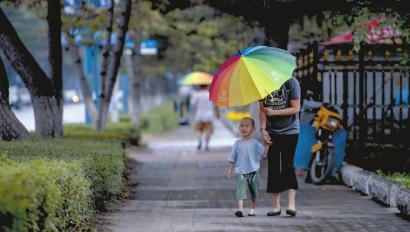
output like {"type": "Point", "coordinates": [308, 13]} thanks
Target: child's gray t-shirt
{"type": "Point", "coordinates": [246, 156]}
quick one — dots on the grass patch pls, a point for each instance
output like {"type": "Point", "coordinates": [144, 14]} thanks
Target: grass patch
{"type": "Point", "coordinates": [397, 176]}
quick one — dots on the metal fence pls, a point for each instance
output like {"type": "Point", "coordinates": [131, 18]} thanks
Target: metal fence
{"type": "Point", "coordinates": [371, 87]}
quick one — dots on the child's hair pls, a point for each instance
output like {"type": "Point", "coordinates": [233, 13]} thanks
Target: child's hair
{"type": "Point", "coordinates": [250, 119]}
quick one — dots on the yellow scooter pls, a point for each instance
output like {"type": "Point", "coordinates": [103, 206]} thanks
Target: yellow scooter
{"type": "Point", "coordinates": [326, 122]}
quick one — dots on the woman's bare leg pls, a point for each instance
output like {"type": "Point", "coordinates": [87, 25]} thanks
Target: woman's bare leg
{"type": "Point", "coordinates": [276, 201]}
{"type": "Point", "coordinates": [292, 199]}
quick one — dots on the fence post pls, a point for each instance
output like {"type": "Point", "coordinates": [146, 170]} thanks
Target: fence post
{"type": "Point", "coordinates": [345, 94]}
{"type": "Point", "coordinates": [362, 132]}
{"type": "Point", "coordinates": [315, 64]}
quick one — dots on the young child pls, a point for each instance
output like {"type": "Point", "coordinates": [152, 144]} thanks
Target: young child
{"type": "Point", "coordinates": [245, 158]}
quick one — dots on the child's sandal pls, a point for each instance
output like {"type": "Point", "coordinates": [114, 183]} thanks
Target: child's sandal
{"type": "Point", "coordinates": [239, 213]}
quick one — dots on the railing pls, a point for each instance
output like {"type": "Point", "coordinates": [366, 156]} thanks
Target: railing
{"type": "Point", "coordinates": [371, 87]}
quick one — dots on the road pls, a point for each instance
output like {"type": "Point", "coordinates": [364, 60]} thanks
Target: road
{"type": "Point", "coordinates": [73, 113]}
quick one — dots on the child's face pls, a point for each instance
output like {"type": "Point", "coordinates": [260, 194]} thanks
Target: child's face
{"type": "Point", "coordinates": [245, 127]}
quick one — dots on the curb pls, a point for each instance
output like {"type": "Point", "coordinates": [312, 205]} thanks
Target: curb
{"type": "Point", "coordinates": [384, 191]}
{"type": "Point", "coordinates": [403, 201]}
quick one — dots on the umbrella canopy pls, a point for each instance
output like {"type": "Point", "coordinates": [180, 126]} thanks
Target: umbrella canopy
{"type": "Point", "coordinates": [251, 75]}
{"type": "Point", "coordinates": [196, 78]}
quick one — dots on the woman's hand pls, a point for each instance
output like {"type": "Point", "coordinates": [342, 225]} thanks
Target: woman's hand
{"type": "Point", "coordinates": [266, 137]}
{"type": "Point", "coordinates": [269, 111]}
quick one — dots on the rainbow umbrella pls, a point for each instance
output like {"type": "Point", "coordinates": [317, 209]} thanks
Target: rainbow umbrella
{"type": "Point", "coordinates": [251, 75]}
{"type": "Point", "coordinates": [196, 78]}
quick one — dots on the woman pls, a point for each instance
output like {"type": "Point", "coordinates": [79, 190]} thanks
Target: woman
{"type": "Point", "coordinates": [204, 115]}
{"type": "Point", "coordinates": [279, 126]}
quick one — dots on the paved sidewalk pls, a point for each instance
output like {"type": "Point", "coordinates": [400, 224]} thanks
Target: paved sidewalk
{"type": "Point", "coordinates": [181, 189]}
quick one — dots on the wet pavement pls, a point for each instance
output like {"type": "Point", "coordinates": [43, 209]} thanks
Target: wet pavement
{"type": "Point", "coordinates": [182, 189]}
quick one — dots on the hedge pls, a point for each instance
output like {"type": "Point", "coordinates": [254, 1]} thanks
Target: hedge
{"type": "Point", "coordinates": [159, 119]}
{"type": "Point", "coordinates": [101, 161]}
{"type": "Point", "coordinates": [122, 131]}
{"type": "Point", "coordinates": [59, 184]}
{"type": "Point", "coordinates": [44, 195]}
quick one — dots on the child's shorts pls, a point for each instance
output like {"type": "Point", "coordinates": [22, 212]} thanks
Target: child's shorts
{"type": "Point", "coordinates": [247, 181]}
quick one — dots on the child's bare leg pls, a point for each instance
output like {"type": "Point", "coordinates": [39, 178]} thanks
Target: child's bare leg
{"type": "Point", "coordinates": [240, 205]}
{"type": "Point", "coordinates": [276, 201]}
{"type": "Point", "coordinates": [239, 211]}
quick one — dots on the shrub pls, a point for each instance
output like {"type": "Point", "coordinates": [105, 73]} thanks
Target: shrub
{"type": "Point", "coordinates": [44, 195]}
{"type": "Point", "coordinates": [122, 131]}
{"type": "Point", "coordinates": [159, 119]}
{"type": "Point", "coordinates": [101, 161]}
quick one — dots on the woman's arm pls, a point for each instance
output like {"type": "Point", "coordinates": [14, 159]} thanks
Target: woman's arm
{"type": "Point", "coordinates": [293, 109]}
{"type": "Point", "coordinates": [262, 124]}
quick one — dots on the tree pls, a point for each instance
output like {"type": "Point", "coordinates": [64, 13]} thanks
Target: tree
{"type": "Point", "coordinates": [146, 22]}
{"type": "Point", "coordinates": [10, 127]}
{"type": "Point", "coordinates": [358, 18]}
{"type": "Point", "coordinates": [276, 15]}
{"type": "Point", "coordinates": [43, 94]}
{"type": "Point", "coordinates": [56, 59]}
{"type": "Point", "coordinates": [88, 24]}
{"type": "Point", "coordinates": [113, 65]}
{"type": "Point", "coordinates": [201, 38]}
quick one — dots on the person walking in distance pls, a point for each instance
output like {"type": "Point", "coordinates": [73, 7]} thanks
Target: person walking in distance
{"type": "Point", "coordinates": [279, 126]}
{"type": "Point", "coordinates": [204, 115]}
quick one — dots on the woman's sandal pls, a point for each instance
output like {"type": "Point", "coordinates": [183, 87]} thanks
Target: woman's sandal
{"type": "Point", "coordinates": [291, 212]}
{"type": "Point", "coordinates": [273, 213]}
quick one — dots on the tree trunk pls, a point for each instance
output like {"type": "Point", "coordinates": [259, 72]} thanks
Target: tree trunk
{"type": "Point", "coordinates": [113, 66]}
{"type": "Point", "coordinates": [35, 79]}
{"type": "Point", "coordinates": [106, 48]}
{"type": "Point", "coordinates": [10, 127]}
{"type": "Point", "coordinates": [56, 59]}
{"type": "Point", "coordinates": [85, 88]}
{"type": "Point", "coordinates": [134, 89]}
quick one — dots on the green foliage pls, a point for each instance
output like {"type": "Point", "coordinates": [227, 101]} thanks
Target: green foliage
{"type": "Point", "coordinates": [56, 184]}
{"type": "Point", "coordinates": [122, 131]}
{"type": "Point", "coordinates": [101, 161]}
{"type": "Point", "coordinates": [201, 38]}
{"type": "Point", "coordinates": [318, 27]}
{"type": "Point", "coordinates": [357, 19]}
{"type": "Point", "coordinates": [397, 176]}
{"type": "Point", "coordinates": [44, 195]}
{"type": "Point", "coordinates": [159, 119]}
